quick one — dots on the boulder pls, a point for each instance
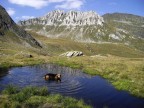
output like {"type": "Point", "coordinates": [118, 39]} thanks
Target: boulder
{"type": "Point", "coordinates": [69, 54]}
{"type": "Point", "coordinates": [72, 54]}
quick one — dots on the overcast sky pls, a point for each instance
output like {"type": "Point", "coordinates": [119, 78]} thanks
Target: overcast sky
{"type": "Point", "coordinates": [25, 9]}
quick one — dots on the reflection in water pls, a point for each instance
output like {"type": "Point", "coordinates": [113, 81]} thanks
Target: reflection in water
{"type": "Point", "coordinates": [93, 90]}
{"type": "Point", "coordinates": [3, 72]}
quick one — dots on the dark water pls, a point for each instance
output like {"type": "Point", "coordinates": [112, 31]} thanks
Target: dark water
{"type": "Point", "coordinates": [95, 91]}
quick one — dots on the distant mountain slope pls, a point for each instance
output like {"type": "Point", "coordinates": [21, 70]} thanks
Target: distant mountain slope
{"type": "Point", "coordinates": [85, 26]}
{"type": "Point", "coordinates": [90, 27]}
{"type": "Point", "coordinates": [132, 24]}
{"type": "Point", "coordinates": [13, 33]}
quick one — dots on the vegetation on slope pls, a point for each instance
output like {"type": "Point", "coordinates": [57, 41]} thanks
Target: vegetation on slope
{"type": "Point", "coordinates": [58, 46]}
{"type": "Point", "coordinates": [131, 24]}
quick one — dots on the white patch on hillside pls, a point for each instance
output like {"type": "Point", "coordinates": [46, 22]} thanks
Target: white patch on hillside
{"type": "Point", "coordinates": [114, 36]}
{"type": "Point", "coordinates": [122, 30]}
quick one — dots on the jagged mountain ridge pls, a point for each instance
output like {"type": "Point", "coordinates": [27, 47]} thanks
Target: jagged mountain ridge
{"type": "Point", "coordinates": [71, 18]}
{"type": "Point", "coordinates": [75, 25]}
{"type": "Point", "coordinates": [10, 29]}
{"type": "Point", "coordinates": [79, 26]}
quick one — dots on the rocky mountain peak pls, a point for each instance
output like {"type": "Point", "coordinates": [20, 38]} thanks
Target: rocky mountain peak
{"type": "Point", "coordinates": [5, 21]}
{"type": "Point", "coordinates": [70, 18]}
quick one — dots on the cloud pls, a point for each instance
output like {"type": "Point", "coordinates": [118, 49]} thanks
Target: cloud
{"type": "Point", "coordinates": [38, 4]}
{"type": "Point", "coordinates": [24, 17]}
{"type": "Point", "coordinates": [11, 11]}
{"type": "Point", "coordinates": [71, 4]}
{"type": "Point", "coordinates": [31, 3]}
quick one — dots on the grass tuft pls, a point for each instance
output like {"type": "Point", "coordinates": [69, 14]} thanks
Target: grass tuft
{"type": "Point", "coordinates": [34, 97]}
{"type": "Point", "coordinates": [10, 90]}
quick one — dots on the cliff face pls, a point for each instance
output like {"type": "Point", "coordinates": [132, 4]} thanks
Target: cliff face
{"type": "Point", "coordinates": [8, 25]}
{"type": "Point", "coordinates": [5, 21]}
{"type": "Point", "coordinates": [71, 18]}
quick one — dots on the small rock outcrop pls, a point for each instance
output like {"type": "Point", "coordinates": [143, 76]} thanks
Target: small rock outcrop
{"type": "Point", "coordinates": [72, 54]}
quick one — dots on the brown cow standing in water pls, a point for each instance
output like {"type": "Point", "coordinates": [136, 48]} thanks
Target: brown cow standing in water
{"type": "Point", "coordinates": [51, 76]}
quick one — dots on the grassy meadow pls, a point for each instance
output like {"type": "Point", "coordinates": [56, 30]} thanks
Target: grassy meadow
{"type": "Point", "coordinates": [121, 65]}
{"type": "Point", "coordinates": [33, 97]}
{"type": "Point", "coordinates": [124, 73]}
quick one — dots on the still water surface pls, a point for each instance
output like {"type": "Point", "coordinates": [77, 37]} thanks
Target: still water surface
{"type": "Point", "coordinates": [94, 90]}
